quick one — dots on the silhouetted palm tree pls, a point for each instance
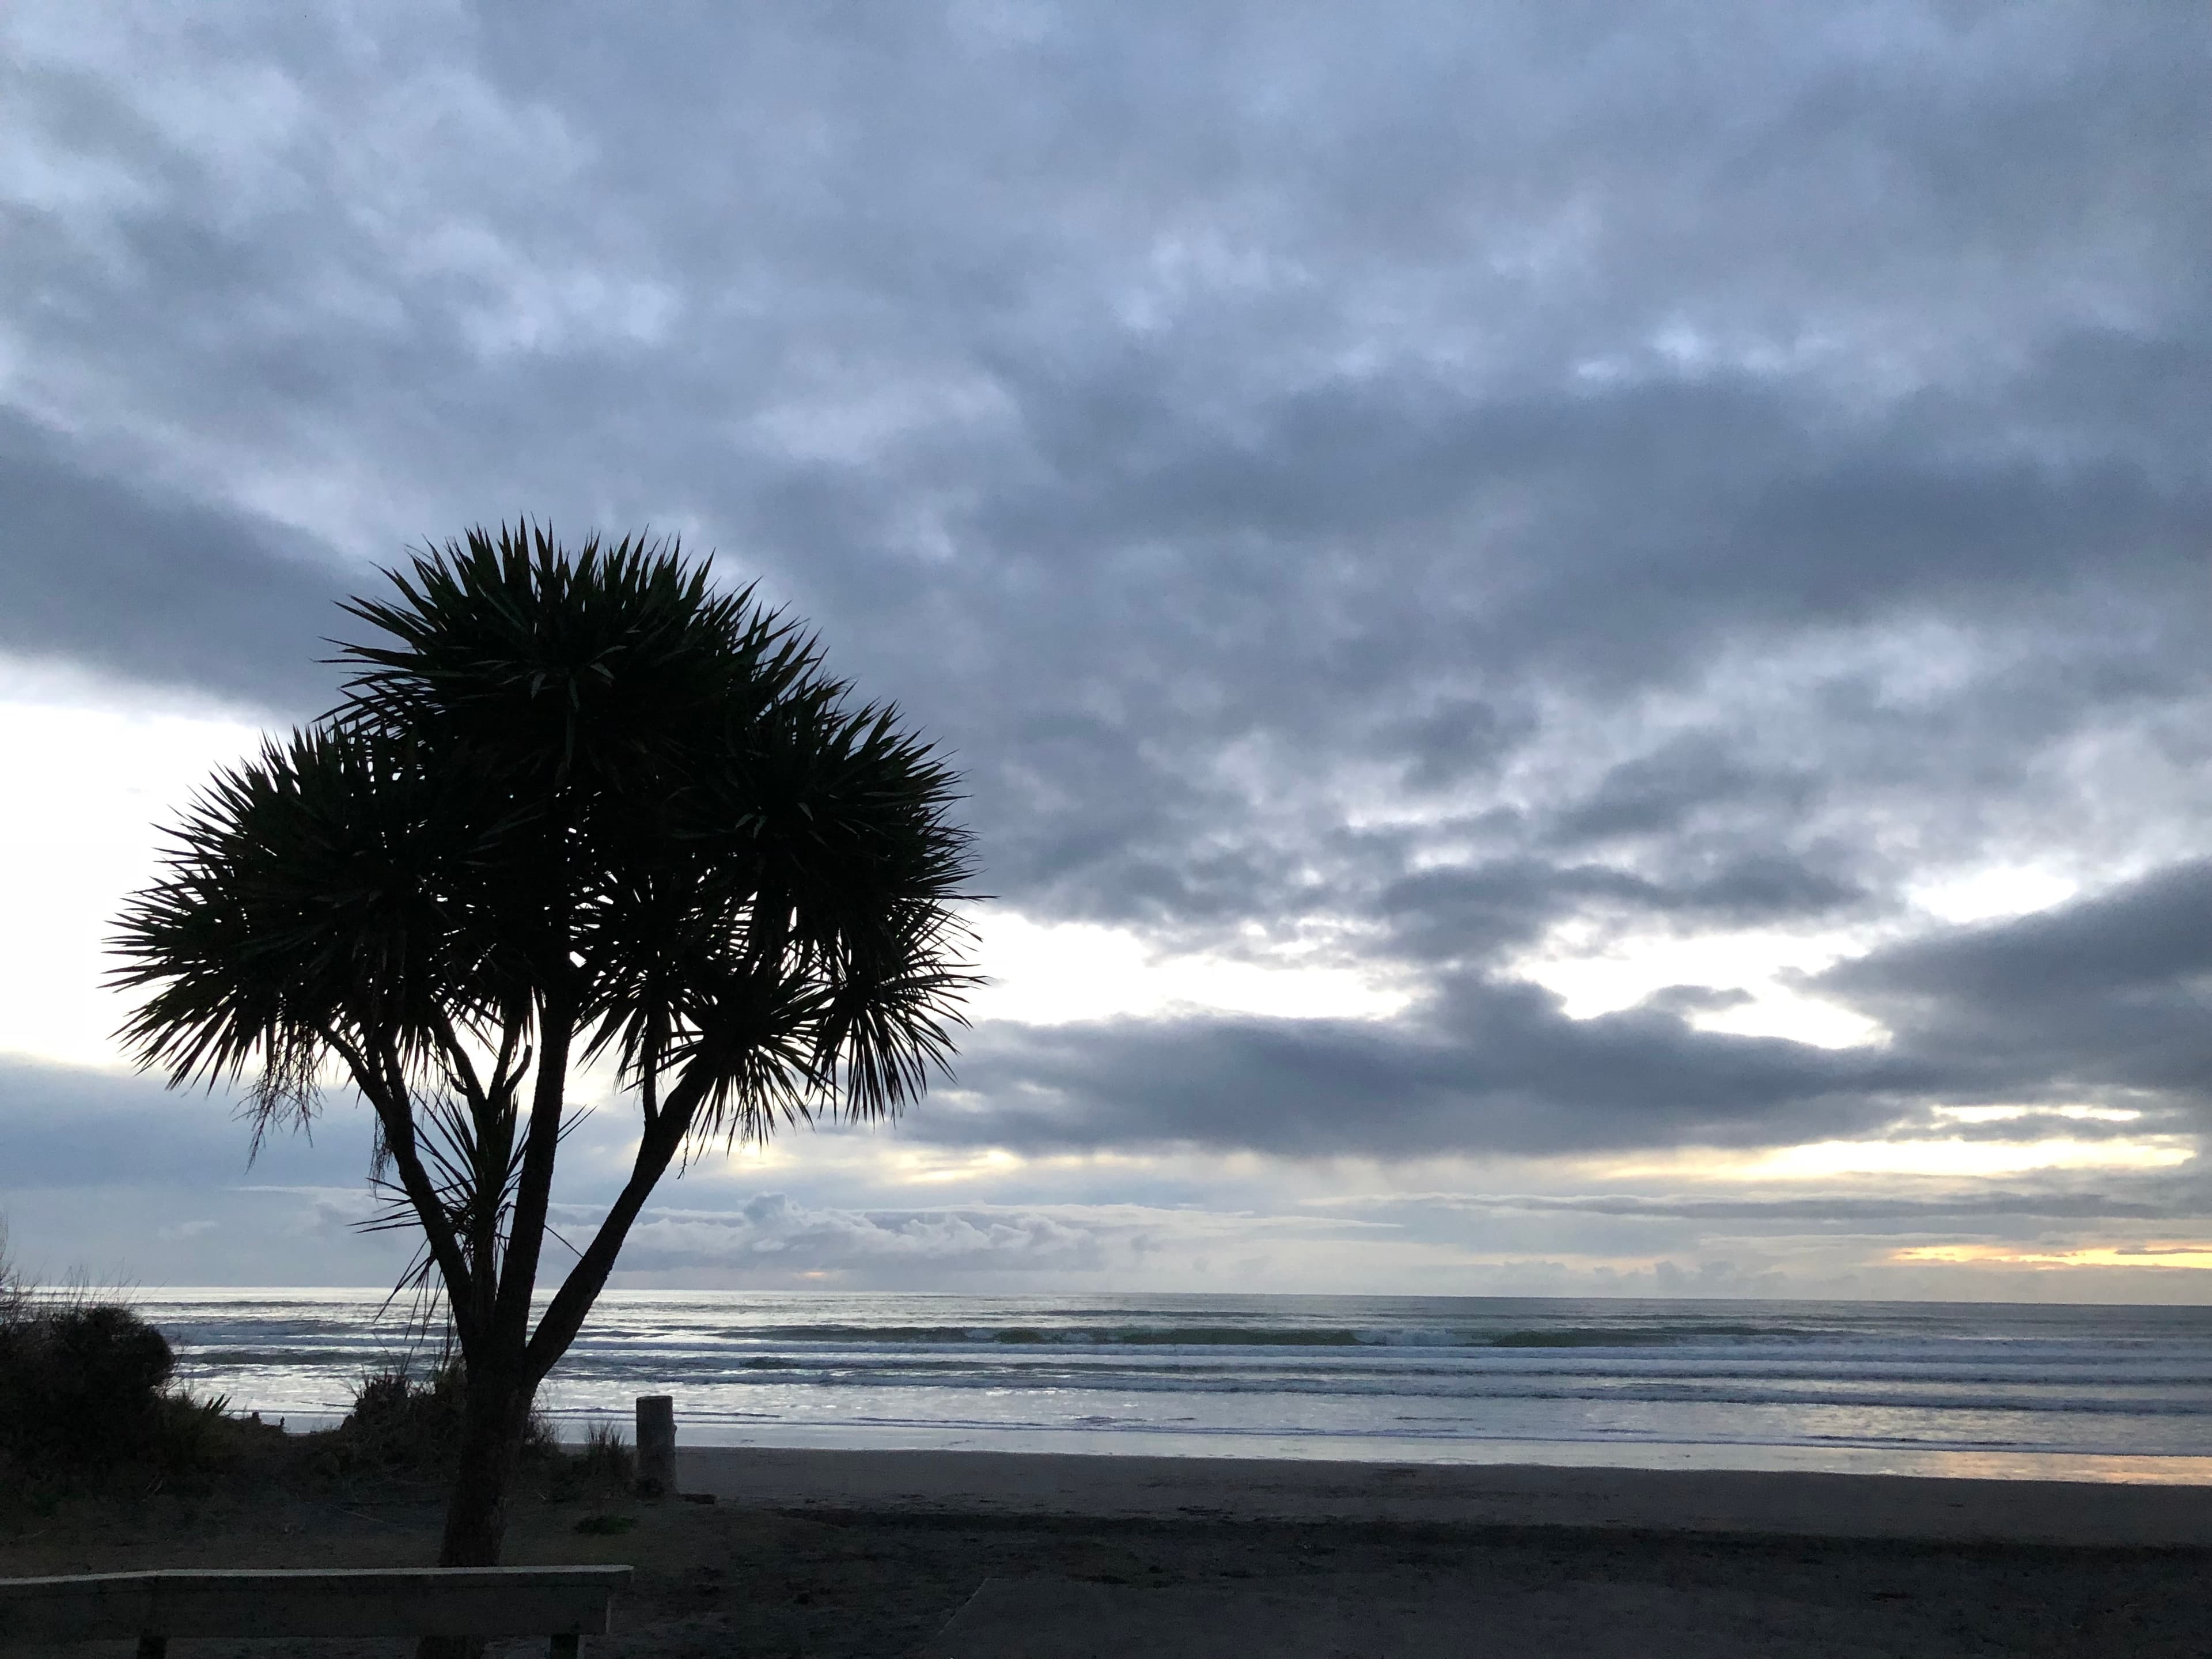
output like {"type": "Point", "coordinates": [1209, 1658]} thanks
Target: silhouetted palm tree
{"type": "Point", "coordinates": [574, 806]}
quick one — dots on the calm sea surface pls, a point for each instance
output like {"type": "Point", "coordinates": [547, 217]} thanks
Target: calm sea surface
{"type": "Point", "coordinates": [2119, 1394]}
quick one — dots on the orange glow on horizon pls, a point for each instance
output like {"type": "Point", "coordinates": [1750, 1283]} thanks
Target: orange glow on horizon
{"type": "Point", "coordinates": [2189, 1255]}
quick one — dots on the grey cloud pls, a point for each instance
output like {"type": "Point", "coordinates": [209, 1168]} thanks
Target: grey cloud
{"type": "Point", "coordinates": [1495, 1067]}
{"type": "Point", "coordinates": [1751, 885]}
{"type": "Point", "coordinates": [2108, 999]}
{"type": "Point", "coordinates": [1448, 475]}
{"type": "Point", "coordinates": [1457, 740]}
{"type": "Point", "coordinates": [2104, 997]}
{"type": "Point", "coordinates": [1843, 1208]}
{"type": "Point", "coordinates": [1621, 574]}
{"type": "Point", "coordinates": [1477, 911]}
{"type": "Point", "coordinates": [2146, 938]}
{"type": "Point", "coordinates": [1687, 999]}
{"type": "Point", "coordinates": [144, 584]}
{"type": "Point", "coordinates": [62, 1127]}
{"type": "Point", "coordinates": [1660, 792]}
{"type": "Point", "coordinates": [773, 1233]}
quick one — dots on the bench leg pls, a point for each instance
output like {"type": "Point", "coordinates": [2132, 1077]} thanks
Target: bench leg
{"type": "Point", "coordinates": [564, 1646]}
{"type": "Point", "coordinates": [153, 1647]}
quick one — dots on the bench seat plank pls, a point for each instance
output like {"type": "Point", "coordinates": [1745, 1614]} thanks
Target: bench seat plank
{"type": "Point", "coordinates": [341, 1601]}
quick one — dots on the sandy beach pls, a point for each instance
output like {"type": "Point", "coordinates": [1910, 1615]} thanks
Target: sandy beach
{"type": "Point", "coordinates": [891, 1555]}
{"type": "Point", "coordinates": [1313, 1491]}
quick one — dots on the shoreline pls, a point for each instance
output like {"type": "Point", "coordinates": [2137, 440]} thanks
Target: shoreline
{"type": "Point", "coordinates": [1719, 1502]}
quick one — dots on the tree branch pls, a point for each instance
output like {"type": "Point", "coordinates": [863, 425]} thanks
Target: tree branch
{"type": "Point", "coordinates": [571, 1303]}
{"type": "Point", "coordinates": [533, 1192]}
{"type": "Point", "coordinates": [492, 1117]}
{"type": "Point", "coordinates": [393, 1109]}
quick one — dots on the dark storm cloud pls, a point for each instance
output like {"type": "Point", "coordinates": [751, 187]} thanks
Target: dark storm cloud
{"type": "Point", "coordinates": [1660, 793]}
{"type": "Point", "coordinates": [2151, 939]}
{"type": "Point", "coordinates": [143, 584]}
{"type": "Point", "coordinates": [1436, 476]}
{"type": "Point", "coordinates": [62, 1126]}
{"type": "Point", "coordinates": [1694, 507]}
{"type": "Point", "coordinates": [2106, 998]}
{"type": "Point", "coordinates": [1479, 911]}
{"type": "Point", "coordinates": [1495, 1067]}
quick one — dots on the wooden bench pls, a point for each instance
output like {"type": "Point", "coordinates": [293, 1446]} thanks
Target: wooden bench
{"type": "Point", "coordinates": [561, 1603]}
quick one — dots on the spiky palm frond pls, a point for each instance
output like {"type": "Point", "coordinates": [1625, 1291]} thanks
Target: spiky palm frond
{"type": "Point", "coordinates": [797, 908]}
{"type": "Point", "coordinates": [331, 888]}
{"type": "Point", "coordinates": [755, 876]}
{"type": "Point", "coordinates": [589, 671]}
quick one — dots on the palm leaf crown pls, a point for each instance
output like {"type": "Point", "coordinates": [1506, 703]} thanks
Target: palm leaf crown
{"type": "Point", "coordinates": [585, 787]}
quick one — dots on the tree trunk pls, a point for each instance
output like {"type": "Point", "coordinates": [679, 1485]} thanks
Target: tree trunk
{"type": "Point", "coordinates": [494, 1412]}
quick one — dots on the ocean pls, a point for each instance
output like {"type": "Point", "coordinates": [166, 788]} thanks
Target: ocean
{"type": "Point", "coordinates": [2009, 1391]}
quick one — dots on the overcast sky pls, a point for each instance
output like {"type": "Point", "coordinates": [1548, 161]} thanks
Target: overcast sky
{"type": "Point", "coordinates": [1577, 631]}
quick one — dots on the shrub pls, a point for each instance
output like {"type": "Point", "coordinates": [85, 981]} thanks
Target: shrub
{"type": "Point", "coordinates": [606, 1525]}
{"type": "Point", "coordinates": [15, 1300]}
{"type": "Point", "coordinates": [399, 1423]}
{"type": "Point", "coordinates": [84, 1392]}
{"type": "Point", "coordinates": [192, 1434]}
{"type": "Point", "coordinates": [607, 1457]}
{"type": "Point", "coordinates": [80, 1385]}
{"type": "Point", "coordinates": [604, 1466]}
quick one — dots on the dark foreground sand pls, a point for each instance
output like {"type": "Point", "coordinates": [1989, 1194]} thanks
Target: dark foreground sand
{"type": "Point", "coordinates": [997, 1557]}
{"type": "Point", "coordinates": [1460, 1496]}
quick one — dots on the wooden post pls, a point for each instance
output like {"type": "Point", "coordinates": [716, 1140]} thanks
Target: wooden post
{"type": "Point", "coordinates": [656, 1445]}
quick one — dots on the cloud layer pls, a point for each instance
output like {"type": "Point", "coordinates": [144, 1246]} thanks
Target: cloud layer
{"type": "Point", "coordinates": [1485, 498]}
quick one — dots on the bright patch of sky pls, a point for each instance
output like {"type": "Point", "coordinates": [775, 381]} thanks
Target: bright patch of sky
{"type": "Point", "coordinates": [1988, 895]}
{"type": "Point", "coordinates": [1592, 973]}
{"type": "Point", "coordinates": [1053, 974]}
{"type": "Point", "coordinates": [1827, 1158]}
{"type": "Point", "coordinates": [91, 779]}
